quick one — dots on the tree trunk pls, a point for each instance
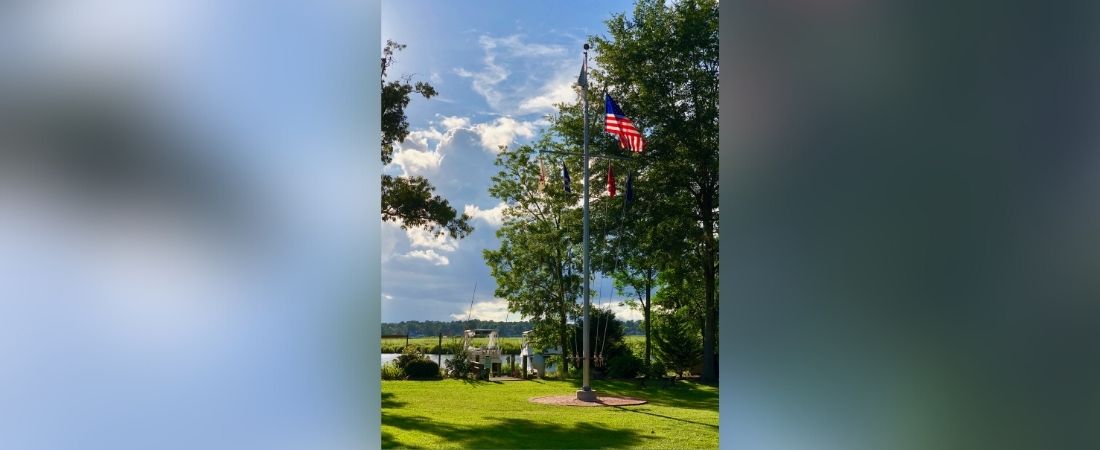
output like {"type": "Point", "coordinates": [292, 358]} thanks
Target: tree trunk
{"type": "Point", "coordinates": [645, 312]}
{"type": "Point", "coordinates": [709, 316]}
{"type": "Point", "coordinates": [564, 347]}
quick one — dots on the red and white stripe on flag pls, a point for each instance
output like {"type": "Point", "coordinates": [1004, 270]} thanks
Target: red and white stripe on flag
{"type": "Point", "coordinates": [618, 124]}
{"type": "Point", "coordinates": [629, 137]}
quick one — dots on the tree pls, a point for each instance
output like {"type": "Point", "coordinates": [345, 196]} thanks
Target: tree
{"type": "Point", "coordinates": [662, 65]}
{"type": "Point", "coordinates": [410, 200]}
{"type": "Point", "coordinates": [535, 269]}
{"type": "Point", "coordinates": [678, 344]}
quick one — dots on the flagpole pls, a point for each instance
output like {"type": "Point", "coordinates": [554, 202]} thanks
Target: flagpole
{"type": "Point", "coordinates": [586, 393]}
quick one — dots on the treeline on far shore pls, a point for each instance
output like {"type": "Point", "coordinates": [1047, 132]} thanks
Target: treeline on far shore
{"type": "Point", "coordinates": [418, 328]}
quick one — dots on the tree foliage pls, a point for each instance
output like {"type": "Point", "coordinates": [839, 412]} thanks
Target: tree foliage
{"type": "Point", "coordinates": [679, 346]}
{"type": "Point", "coordinates": [417, 328]}
{"type": "Point", "coordinates": [536, 267]}
{"type": "Point", "coordinates": [662, 64]}
{"type": "Point", "coordinates": [407, 200]}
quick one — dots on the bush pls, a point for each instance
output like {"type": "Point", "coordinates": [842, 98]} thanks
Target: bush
{"type": "Point", "coordinates": [408, 355]}
{"type": "Point", "coordinates": [390, 371]}
{"type": "Point", "coordinates": [657, 369]}
{"type": "Point", "coordinates": [422, 369]}
{"type": "Point", "coordinates": [624, 365]}
{"type": "Point", "coordinates": [458, 366]}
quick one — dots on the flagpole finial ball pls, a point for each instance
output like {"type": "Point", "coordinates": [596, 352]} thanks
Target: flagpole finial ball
{"type": "Point", "coordinates": [586, 47]}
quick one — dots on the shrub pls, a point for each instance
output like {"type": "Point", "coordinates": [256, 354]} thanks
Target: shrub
{"type": "Point", "coordinates": [458, 366]}
{"type": "Point", "coordinates": [624, 365]}
{"type": "Point", "coordinates": [657, 369]}
{"type": "Point", "coordinates": [422, 369]}
{"type": "Point", "coordinates": [390, 371]}
{"type": "Point", "coordinates": [408, 355]}
{"type": "Point", "coordinates": [679, 343]}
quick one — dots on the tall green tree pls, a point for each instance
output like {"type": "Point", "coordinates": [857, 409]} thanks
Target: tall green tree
{"type": "Point", "coordinates": [678, 343]}
{"type": "Point", "coordinates": [410, 200]}
{"type": "Point", "coordinates": [662, 66]}
{"type": "Point", "coordinates": [535, 268]}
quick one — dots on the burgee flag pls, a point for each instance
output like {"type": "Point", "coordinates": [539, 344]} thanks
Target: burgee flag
{"type": "Point", "coordinates": [565, 176]}
{"type": "Point", "coordinates": [618, 124]}
{"type": "Point", "coordinates": [582, 79]}
{"type": "Point", "coordinates": [610, 180]}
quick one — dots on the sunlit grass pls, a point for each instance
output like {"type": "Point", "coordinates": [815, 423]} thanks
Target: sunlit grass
{"type": "Point", "coordinates": [467, 414]}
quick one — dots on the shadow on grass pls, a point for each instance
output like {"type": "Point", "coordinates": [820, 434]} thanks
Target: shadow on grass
{"type": "Point", "coordinates": [639, 411]}
{"type": "Point", "coordinates": [516, 433]}
{"type": "Point", "coordinates": [388, 441]}
{"type": "Point", "coordinates": [473, 382]}
{"type": "Point", "coordinates": [680, 395]}
{"type": "Point", "coordinates": [389, 402]}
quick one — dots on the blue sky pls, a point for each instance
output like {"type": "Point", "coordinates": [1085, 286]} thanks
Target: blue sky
{"type": "Point", "coordinates": [499, 67]}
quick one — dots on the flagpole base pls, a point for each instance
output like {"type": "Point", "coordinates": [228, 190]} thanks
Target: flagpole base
{"type": "Point", "coordinates": [586, 396]}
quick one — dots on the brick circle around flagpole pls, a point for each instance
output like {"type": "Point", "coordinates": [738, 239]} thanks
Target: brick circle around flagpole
{"type": "Point", "coordinates": [601, 400]}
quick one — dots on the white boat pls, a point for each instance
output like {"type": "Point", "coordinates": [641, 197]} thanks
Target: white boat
{"type": "Point", "coordinates": [536, 358]}
{"type": "Point", "coordinates": [489, 356]}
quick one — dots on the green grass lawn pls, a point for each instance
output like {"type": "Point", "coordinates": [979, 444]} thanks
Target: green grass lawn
{"type": "Point", "coordinates": [469, 414]}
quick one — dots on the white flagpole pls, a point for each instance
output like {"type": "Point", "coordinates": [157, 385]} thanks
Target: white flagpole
{"type": "Point", "coordinates": [586, 393]}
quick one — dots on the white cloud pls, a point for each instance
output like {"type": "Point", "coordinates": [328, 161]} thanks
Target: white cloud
{"type": "Point", "coordinates": [489, 81]}
{"type": "Point", "coordinates": [495, 309]}
{"type": "Point", "coordinates": [453, 122]}
{"type": "Point", "coordinates": [503, 131]}
{"type": "Point", "coordinates": [485, 81]}
{"type": "Point", "coordinates": [422, 238]}
{"type": "Point", "coordinates": [517, 47]}
{"type": "Point", "coordinates": [555, 92]}
{"type": "Point", "coordinates": [417, 162]}
{"type": "Point", "coordinates": [418, 156]}
{"type": "Point", "coordinates": [493, 216]}
{"type": "Point", "coordinates": [622, 311]}
{"type": "Point", "coordinates": [428, 255]}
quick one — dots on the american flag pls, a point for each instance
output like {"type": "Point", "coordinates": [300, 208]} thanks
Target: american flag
{"type": "Point", "coordinates": [618, 124]}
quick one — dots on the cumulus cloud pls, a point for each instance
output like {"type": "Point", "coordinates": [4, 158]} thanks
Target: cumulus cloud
{"type": "Point", "coordinates": [503, 131]}
{"type": "Point", "coordinates": [417, 162]}
{"type": "Point", "coordinates": [495, 309]}
{"type": "Point", "coordinates": [428, 255]}
{"type": "Point", "coordinates": [493, 216]}
{"type": "Point", "coordinates": [622, 311]}
{"type": "Point", "coordinates": [422, 238]}
{"type": "Point", "coordinates": [453, 122]}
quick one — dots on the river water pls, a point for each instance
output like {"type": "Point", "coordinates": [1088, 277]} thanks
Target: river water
{"type": "Point", "coordinates": [441, 359]}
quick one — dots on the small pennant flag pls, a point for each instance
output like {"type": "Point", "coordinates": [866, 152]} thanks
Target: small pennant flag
{"type": "Point", "coordinates": [542, 176]}
{"type": "Point", "coordinates": [618, 124]}
{"type": "Point", "coordinates": [565, 177]}
{"type": "Point", "coordinates": [582, 80]}
{"type": "Point", "coordinates": [610, 180]}
{"type": "Point", "coordinates": [630, 187]}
